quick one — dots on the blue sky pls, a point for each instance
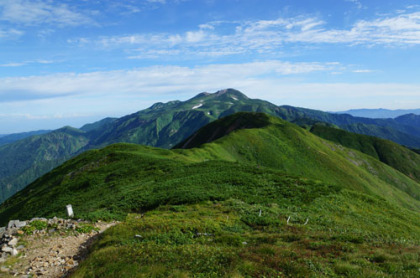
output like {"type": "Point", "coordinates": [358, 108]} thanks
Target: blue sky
{"type": "Point", "coordinates": [70, 62]}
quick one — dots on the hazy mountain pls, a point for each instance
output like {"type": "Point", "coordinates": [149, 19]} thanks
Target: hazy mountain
{"type": "Point", "coordinates": [9, 138]}
{"type": "Point", "coordinates": [379, 113]}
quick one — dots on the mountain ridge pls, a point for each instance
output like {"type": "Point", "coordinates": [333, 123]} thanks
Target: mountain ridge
{"type": "Point", "coordinates": [379, 113]}
{"type": "Point", "coordinates": [257, 196]}
{"type": "Point", "coordinates": [271, 143]}
{"type": "Point", "coordinates": [167, 124]}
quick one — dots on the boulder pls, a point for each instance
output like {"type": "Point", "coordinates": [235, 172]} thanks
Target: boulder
{"type": "Point", "coordinates": [14, 252]}
{"type": "Point", "coordinates": [13, 242]}
{"type": "Point", "coordinates": [6, 249]}
{"type": "Point", "coordinates": [16, 224]}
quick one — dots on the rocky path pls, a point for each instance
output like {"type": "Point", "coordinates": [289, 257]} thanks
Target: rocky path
{"type": "Point", "coordinates": [53, 254]}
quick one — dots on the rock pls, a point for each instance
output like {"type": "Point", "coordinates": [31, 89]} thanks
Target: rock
{"type": "Point", "coordinates": [2, 231]}
{"type": "Point", "coordinates": [16, 224]}
{"type": "Point", "coordinates": [6, 249]}
{"type": "Point", "coordinates": [20, 232]}
{"type": "Point", "coordinates": [4, 269]}
{"type": "Point", "coordinates": [14, 252]}
{"type": "Point", "coordinates": [20, 247]}
{"type": "Point", "coordinates": [13, 242]}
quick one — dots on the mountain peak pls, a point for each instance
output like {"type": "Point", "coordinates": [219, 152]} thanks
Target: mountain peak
{"type": "Point", "coordinates": [231, 92]}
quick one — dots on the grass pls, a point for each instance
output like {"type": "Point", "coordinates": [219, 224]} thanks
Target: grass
{"type": "Point", "coordinates": [275, 201]}
{"type": "Point", "coordinates": [213, 239]}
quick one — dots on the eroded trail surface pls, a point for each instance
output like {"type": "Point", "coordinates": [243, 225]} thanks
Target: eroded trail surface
{"type": "Point", "coordinates": [51, 255]}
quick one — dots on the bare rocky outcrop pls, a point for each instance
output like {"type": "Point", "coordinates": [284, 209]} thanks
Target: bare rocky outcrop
{"type": "Point", "coordinates": [51, 247]}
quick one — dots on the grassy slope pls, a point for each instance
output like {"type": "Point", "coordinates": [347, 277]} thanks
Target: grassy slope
{"type": "Point", "coordinates": [294, 150]}
{"type": "Point", "coordinates": [360, 221]}
{"type": "Point", "coordinates": [405, 160]}
{"type": "Point", "coordinates": [347, 234]}
{"type": "Point", "coordinates": [25, 160]}
{"type": "Point", "coordinates": [164, 125]}
{"type": "Point", "coordinates": [131, 177]}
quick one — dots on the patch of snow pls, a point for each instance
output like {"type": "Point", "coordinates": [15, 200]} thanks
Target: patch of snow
{"type": "Point", "coordinates": [234, 98]}
{"type": "Point", "coordinates": [197, 106]}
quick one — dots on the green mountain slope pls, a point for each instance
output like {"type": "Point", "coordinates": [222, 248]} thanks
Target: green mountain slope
{"type": "Point", "coordinates": [25, 160]}
{"type": "Point", "coordinates": [264, 198]}
{"type": "Point", "coordinates": [405, 160]}
{"type": "Point", "coordinates": [10, 138]}
{"type": "Point", "coordinates": [122, 178]}
{"type": "Point", "coordinates": [167, 124]}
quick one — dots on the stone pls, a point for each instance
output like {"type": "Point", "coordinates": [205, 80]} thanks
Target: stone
{"type": "Point", "coordinates": [20, 232]}
{"type": "Point", "coordinates": [14, 252]}
{"type": "Point", "coordinates": [13, 242]}
{"type": "Point", "coordinates": [16, 224]}
{"type": "Point", "coordinates": [6, 249]}
{"type": "Point", "coordinates": [20, 247]}
{"type": "Point", "coordinates": [4, 269]}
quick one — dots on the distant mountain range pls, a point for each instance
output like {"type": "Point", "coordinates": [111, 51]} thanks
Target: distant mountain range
{"type": "Point", "coordinates": [167, 124]}
{"type": "Point", "coordinates": [10, 138]}
{"type": "Point", "coordinates": [379, 113]}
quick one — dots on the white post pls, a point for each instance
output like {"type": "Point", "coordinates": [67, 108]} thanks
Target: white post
{"type": "Point", "coordinates": [70, 211]}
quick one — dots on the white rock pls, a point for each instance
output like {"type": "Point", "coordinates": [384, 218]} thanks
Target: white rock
{"type": "Point", "coordinates": [14, 252]}
{"type": "Point", "coordinates": [6, 249]}
{"type": "Point", "coordinates": [13, 242]}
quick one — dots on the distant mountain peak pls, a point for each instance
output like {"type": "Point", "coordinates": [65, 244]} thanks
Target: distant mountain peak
{"type": "Point", "coordinates": [160, 105]}
{"type": "Point", "coordinates": [231, 91]}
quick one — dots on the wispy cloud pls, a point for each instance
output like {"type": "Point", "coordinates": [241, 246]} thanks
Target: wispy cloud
{"type": "Point", "coordinates": [356, 2]}
{"type": "Point", "coordinates": [264, 36]}
{"type": "Point", "coordinates": [165, 79]}
{"type": "Point", "coordinates": [74, 99]}
{"type": "Point", "coordinates": [10, 33]}
{"type": "Point", "coordinates": [362, 71]}
{"type": "Point", "coordinates": [37, 12]}
{"type": "Point", "coordinates": [127, 91]}
{"type": "Point", "coordinates": [24, 63]}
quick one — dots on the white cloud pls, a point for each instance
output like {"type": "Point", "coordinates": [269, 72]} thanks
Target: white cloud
{"type": "Point", "coordinates": [24, 63]}
{"type": "Point", "coordinates": [10, 33]}
{"type": "Point", "coordinates": [356, 2]}
{"type": "Point", "coordinates": [265, 36]}
{"type": "Point", "coordinates": [37, 12]}
{"type": "Point", "coordinates": [362, 71]}
{"type": "Point", "coordinates": [121, 92]}
{"type": "Point", "coordinates": [150, 78]}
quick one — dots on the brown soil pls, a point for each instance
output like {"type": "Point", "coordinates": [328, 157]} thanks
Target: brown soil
{"type": "Point", "coordinates": [54, 255]}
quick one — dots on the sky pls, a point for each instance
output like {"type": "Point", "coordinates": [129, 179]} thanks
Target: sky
{"type": "Point", "coordinates": [71, 62]}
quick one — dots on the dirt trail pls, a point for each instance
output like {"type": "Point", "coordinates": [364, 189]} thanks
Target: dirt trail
{"type": "Point", "coordinates": [52, 255]}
